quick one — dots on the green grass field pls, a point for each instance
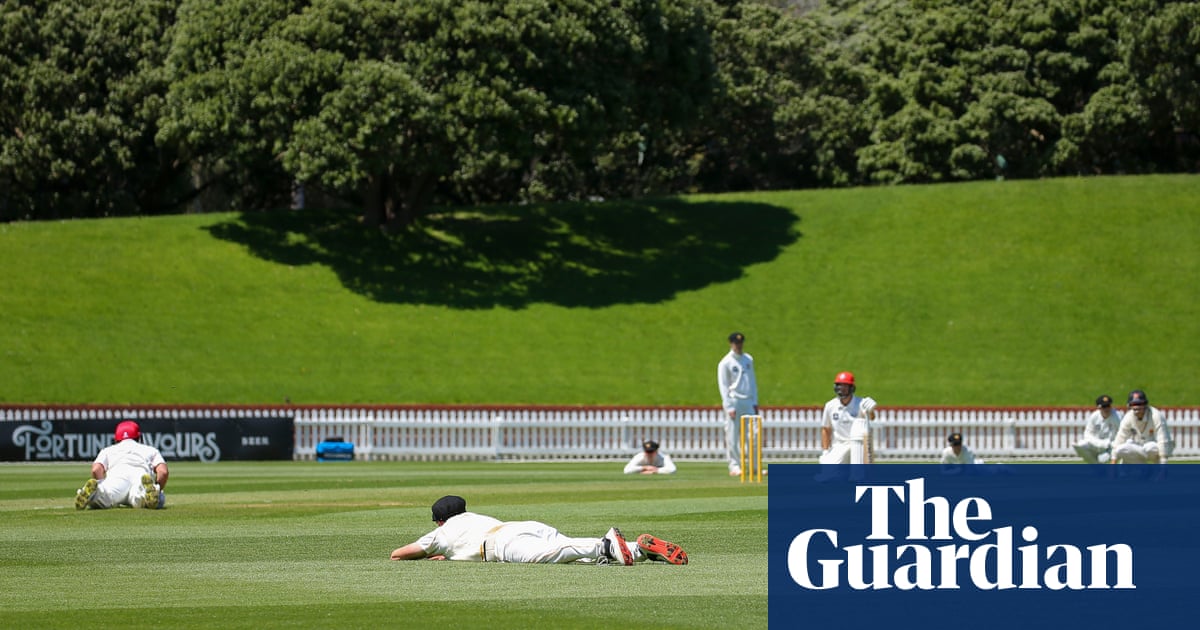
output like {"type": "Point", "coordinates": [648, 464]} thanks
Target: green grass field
{"type": "Point", "coordinates": [273, 544]}
{"type": "Point", "coordinates": [985, 293]}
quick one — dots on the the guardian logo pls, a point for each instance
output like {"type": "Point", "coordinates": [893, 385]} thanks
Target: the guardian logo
{"type": "Point", "coordinates": [949, 546]}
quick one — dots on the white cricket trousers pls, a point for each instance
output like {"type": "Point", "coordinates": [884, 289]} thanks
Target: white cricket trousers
{"type": "Point", "coordinates": [120, 486]}
{"type": "Point", "coordinates": [534, 542]}
{"type": "Point", "coordinates": [733, 432]}
{"type": "Point", "coordinates": [844, 452]}
{"type": "Point", "coordinates": [1132, 453]}
{"type": "Point", "coordinates": [1092, 451]}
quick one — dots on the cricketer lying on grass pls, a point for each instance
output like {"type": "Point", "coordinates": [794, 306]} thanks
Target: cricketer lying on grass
{"type": "Point", "coordinates": [919, 560]}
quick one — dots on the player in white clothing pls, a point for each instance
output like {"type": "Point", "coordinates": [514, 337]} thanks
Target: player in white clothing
{"type": "Point", "coordinates": [127, 473]}
{"type": "Point", "coordinates": [739, 395]}
{"type": "Point", "coordinates": [845, 424]}
{"type": "Point", "coordinates": [1143, 436]}
{"type": "Point", "coordinates": [463, 535]}
{"type": "Point", "coordinates": [650, 461]}
{"type": "Point", "coordinates": [1099, 429]}
{"type": "Point", "coordinates": [955, 453]}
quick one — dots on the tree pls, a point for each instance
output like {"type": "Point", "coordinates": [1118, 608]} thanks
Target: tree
{"type": "Point", "coordinates": [81, 88]}
{"type": "Point", "coordinates": [403, 101]}
{"type": "Point", "coordinates": [1164, 64]}
{"type": "Point", "coordinates": [781, 116]}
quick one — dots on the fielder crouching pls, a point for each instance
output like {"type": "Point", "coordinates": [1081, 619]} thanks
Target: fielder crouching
{"type": "Point", "coordinates": [1100, 428]}
{"type": "Point", "coordinates": [1143, 436]}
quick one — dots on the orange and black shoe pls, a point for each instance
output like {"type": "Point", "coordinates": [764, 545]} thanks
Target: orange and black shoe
{"type": "Point", "coordinates": [658, 549]}
{"type": "Point", "coordinates": [615, 548]}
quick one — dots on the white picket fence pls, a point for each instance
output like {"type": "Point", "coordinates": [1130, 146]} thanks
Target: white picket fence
{"type": "Point", "coordinates": [790, 433]}
{"type": "Point", "coordinates": [412, 432]}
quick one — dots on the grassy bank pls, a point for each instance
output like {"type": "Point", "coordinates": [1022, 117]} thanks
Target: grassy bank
{"type": "Point", "coordinates": [989, 293]}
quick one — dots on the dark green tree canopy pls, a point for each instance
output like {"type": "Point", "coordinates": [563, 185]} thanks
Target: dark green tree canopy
{"type": "Point", "coordinates": [401, 100]}
{"type": "Point", "coordinates": [151, 106]}
{"type": "Point", "coordinates": [82, 85]}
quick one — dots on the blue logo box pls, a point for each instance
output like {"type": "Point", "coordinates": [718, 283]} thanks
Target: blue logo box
{"type": "Point", "coordinates": [1059, 546]}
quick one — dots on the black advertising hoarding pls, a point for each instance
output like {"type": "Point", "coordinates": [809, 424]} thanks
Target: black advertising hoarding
{"type": "Point", "coordinates": [179, 439]}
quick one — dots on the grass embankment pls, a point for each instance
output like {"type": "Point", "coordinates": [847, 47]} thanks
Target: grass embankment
{"type": "Point", "coordinates": [988, 293]}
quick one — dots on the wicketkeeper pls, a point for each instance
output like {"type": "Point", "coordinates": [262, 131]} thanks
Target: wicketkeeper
{"type": "Point", "coordinates": [1143, 436]}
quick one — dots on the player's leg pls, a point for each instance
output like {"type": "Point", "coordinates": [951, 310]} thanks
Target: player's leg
{"type": "Point", "coordinates": [85, 494]}
{"type": "Point", "coordinates": [733, 436]}
{"type": "Point", "coordinates": [145, 493]}
{"type": "Point", "coordinates": [855, 453]}
{"type": "Point", "coordinates": [534, 542]}
{"type": "Point", "coordinates": [831, 461]}
{"type": "Point", "coordinates": [1088, 452]}
{"type": "Point", "coordinates": [1130, 453]}
{"type": "Point", "coordinates": [112, 491]}
{"type": "Point", "coordinates": [732, 433]}
{"type": "Point", "coordinates": [562, 550]}
{"type": "Point", "coordinates": [839, 453]}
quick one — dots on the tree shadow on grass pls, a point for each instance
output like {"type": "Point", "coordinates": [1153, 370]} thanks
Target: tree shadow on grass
{"type": "Point", "coordinates": [512, 256]}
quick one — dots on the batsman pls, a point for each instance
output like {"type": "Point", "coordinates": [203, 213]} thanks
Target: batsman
{"type": "Point", "coordinates": [845, 424]}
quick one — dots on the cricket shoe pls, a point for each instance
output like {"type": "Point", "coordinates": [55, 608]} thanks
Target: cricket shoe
{"type": "Point", "coordinates": [658, 549]}
{"type": "Point", "coordinates": [615, 548]}
{"type": "Point", "coordinates": [83, 496]}
{"type": "Point", "coordinates": [151, 499]}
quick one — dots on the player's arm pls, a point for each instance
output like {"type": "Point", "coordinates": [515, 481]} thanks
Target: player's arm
{"type": "Point", "coordinates": [160, 475]}
{"type": "Point", "coordinates": [724, 381]}
{"type": "Point", "coordinates": [826, 438]}
{"type": "Point", "coordinates": [411, 551]}
{"type": "Point", "coordinates": [723, 386]}
{"type": "Point", "coordinates": [668, 466]}
{"type": "Point", "coordinates": [634, 466]}
{"type": "Point", "coordinates": [754, 388]}
{"type": "Point", "coordinates": [98, 470]}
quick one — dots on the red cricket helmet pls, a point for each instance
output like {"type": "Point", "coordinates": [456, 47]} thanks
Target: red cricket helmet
{"type": "Point", "coordinates": [843, 384]}
{"type": "Point", "coordinates": [127, 430]}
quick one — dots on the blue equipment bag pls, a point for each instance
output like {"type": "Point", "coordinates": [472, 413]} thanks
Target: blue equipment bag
{"type": "Point", "coordinates": [335, 450]}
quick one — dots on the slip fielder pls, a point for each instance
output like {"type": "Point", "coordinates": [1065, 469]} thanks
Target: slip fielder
{"type": "Point", "coordinates": [1100, 428]}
